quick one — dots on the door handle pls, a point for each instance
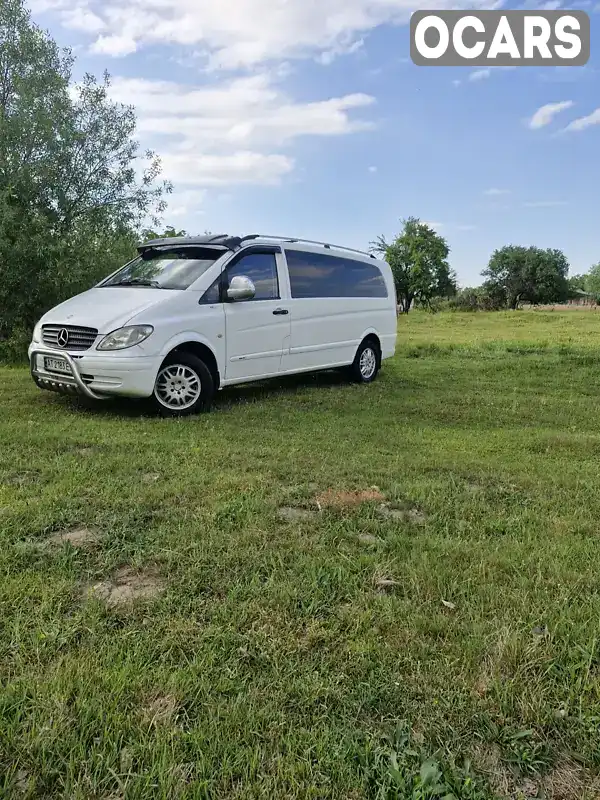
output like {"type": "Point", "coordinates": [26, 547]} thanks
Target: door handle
{"type": "Point", "coordinates": [280, 311]}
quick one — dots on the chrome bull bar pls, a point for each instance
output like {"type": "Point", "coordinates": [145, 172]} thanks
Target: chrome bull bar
{"type": "Point", "coordinates": [68, 383]}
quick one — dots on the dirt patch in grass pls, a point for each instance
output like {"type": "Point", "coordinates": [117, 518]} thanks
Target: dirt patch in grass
{"type": "Point", "coordinates": [160, 710]}
{"type": "Point", "coordinates": [568, 780]}
{"type": "Point", "coordinates": [411, 515]}
{"type": "Point", "coordinates": [150, 477]}
{"type": "Point", "coordinates": [338, 499]}
{"type": "Point", "coordinates": [77, 537]}
{"type": "Point", "coordinates": [126, 586]}
{"type": "Point", "coordinates": [25, 478]}
{"type": "Point", "coordinates": [291, 514]}
{"type": "Point", "coordinates": [334, 499]}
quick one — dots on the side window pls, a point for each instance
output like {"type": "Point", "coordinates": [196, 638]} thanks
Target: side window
{"type": "Point", "coordinates": [213, 294]}
{"type": "Point", "coordinates": [321, 275]}
{"type": "Point", "coordinates": [261, 268]}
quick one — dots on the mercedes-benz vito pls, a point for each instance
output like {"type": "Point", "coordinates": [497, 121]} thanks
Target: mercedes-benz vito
{"type": "Point", "coordinates": [189, 316]}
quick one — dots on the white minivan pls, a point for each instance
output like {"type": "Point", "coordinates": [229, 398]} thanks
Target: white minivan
{"type": "Point", "coordinates": [189, 316]}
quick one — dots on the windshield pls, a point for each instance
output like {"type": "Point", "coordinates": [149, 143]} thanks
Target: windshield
{"type": "Point", "coordinates": [165, 269]}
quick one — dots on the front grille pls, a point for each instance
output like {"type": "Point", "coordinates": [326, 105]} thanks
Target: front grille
{"type": "Point", "coordinates": [77, 338]}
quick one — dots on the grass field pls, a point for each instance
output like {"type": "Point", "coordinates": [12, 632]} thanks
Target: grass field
{"type": "Point", "coordinates": [319, 590]}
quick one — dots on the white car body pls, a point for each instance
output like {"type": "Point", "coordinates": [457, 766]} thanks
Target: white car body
{"type": "Point", "coordinates": [240, 341]}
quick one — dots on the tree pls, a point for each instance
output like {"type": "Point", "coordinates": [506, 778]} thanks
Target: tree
{"type": "Point", "coordinates": [592, 280]}
{"type": "Point", "coordinates": [476, 299]}
{"type": "Point", "coordinates": [528, 274]}
{"type": "Point", "coordinates": [74, 185]}
{"type": "Point", "coordinates": [168, 233]}
{"type": "Point", "coordinates": [577, 283]}
{"type": "Point", "coordinates": [34, 82]}
{"type": "Point", "coordinates": [418, 258]}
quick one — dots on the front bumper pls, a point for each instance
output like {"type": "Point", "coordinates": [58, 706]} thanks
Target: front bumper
{"type": "Point", "coordinates": [92, 376]}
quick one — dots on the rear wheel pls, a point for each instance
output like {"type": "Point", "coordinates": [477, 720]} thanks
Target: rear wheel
{"type": "Point", "coordinates": [366, 363]}
{"type": "Point", "coordinates": [184, 385]}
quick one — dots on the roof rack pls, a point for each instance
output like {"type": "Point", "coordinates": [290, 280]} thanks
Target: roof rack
{"type": "Point", "coordinates": [290, 240]}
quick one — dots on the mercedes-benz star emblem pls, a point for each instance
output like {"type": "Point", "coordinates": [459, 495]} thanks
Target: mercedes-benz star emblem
{"type": "Point", "coordinates": [63, 337]}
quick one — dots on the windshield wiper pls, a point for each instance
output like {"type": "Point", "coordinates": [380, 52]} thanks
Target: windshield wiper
{"type": "Point", "coordinates": [138, 282]}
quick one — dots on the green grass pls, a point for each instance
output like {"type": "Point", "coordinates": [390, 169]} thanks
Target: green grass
{"type": "Point", "coordinates": [273, 664]}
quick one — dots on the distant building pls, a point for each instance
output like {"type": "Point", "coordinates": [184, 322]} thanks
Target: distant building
{"type": "Point", "coordinates": [581, 298]}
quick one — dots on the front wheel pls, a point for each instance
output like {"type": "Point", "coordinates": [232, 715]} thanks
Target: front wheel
{"type": "Point", "coordinates": [184, 385]}
{"type": "Point", "coordinates": [366, 363]}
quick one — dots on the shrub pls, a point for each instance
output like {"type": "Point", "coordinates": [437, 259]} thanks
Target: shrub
{"type": "Point", "coordinates": [481, 298]}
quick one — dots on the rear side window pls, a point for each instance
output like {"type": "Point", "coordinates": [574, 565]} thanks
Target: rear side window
{"type": "Point", "coordinates": [322, 275]}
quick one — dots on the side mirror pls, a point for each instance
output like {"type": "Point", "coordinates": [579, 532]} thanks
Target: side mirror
{"type": "Point", "coordinates": [241, 288]}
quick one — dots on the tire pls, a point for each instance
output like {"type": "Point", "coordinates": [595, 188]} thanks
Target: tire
{"type": "Point", "coordinates": [366, 363]}
{"type": "Point", "coordinates": [184, 385]}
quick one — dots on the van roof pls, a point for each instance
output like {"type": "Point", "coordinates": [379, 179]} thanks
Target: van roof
{"type": "Point", "coordinates": [226, 242]}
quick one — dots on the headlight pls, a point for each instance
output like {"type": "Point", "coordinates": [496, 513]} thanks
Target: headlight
{"type": "Point", "coordinates": [125, 337]}
{"type": "Point", "coordinates": [37, 333]}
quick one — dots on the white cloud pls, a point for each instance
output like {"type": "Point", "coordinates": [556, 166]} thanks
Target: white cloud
{"type": "Point", "coordinates": [81, 18]}
{"type": "Point", "coordinates": [435, 225]}
{"type": "Point", "coordinates": [246, 33]}
{"type": "Point", "coordinates": [584, 122]}
{"type": "Point", "coordinates": [328, 56]}
{"type": "Point", "coordinates": [545, 204]}
{"type": "Point", "coordinates": [114, 46]}
{"type": "Point", "coordinates": [479, 74]}
{"type": "Point", "coordinates": [41, 6]}
{"type": "Point", "coordinates": [223, 170]}
{"type": "Point", "coordinates": [231, 132]}
{"type": "Point", "coordinates": [236, 114]}
{"type": "Point", "coordinates": [448, 227]}
{"type": "Point", "coordinates": [493, 192]}
{"type": "Point", "coordinates": [544, 115]}
{"type": "Point", "coordinates": [185, 203]}
{"type": "Point", "coordinates": [372, 169]}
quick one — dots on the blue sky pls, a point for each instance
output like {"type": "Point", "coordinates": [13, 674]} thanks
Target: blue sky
{"type": "Point", "coordinates": [307, 118]}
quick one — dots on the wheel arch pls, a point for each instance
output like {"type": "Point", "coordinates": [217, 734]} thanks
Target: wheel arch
{"type": "Point", "coordinates": [371, 335]}
{"type": "Point", "coordinates": [199, 349]}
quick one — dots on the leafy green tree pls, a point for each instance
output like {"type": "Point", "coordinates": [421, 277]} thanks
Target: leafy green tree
{"type": "Point", "coordinates": [168, 233]}
{"type": "Point", "coordinates": [418, 258]}
{"type": "Point", "coordinates": [34, 81]}
{"type": "Point", "coordinates": [577, 283]}
{"type": "Point", "coordinates": [477, 299]}
{"type": "Point", "coordinates": [592, 280]}
{"type": "Point", "coordinates": [527, 274]}
{"type": "Point", "coordinates": [74, 185]}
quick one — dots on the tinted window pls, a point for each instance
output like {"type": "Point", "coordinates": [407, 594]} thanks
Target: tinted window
{"type": "Point", "coordinates": [166, 269]}
{"type": "Point", "coordinates": [261, 268]}
{"type": "Point", "coordinates": [321, 275]}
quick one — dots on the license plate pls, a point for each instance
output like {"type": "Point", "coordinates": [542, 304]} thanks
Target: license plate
{"type": "Point", "coordinates": [57, 365]}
